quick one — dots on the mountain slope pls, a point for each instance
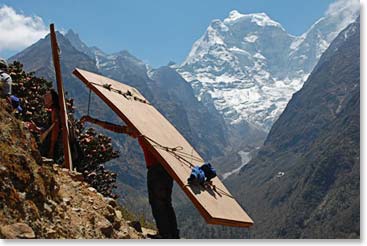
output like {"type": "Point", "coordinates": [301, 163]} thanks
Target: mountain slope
{"type": "Point", "coordinates": [304, 182]}
{"type": "Point", "coordinates": [248, 66]}
{"type": "Point", "coordinates": [41, 200]}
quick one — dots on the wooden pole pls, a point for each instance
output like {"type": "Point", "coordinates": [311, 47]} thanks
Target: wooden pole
{"type": "Point", "coordinates": [60, 90]}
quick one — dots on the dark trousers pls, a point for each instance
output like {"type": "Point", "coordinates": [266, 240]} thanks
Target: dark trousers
{"type": "Point", "coordinates": [160, 190]}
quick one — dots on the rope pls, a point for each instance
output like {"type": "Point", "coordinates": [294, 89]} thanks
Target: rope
{"type": "Point", "coordinates": [192, 150]}
{"type": "Point", "coordinates": [176, 152]}
{"type": "Point", "coordinates": [128, 95]}
{"type": "Point", "coordinates": [221, 192]}
{"type": "Point", "coordinates": [90, 93]}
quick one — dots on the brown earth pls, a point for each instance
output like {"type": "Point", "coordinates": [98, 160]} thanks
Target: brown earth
{"type": "Point", "coordinates": [39, 199]}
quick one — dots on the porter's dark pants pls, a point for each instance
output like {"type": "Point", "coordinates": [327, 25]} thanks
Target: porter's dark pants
{"type": "Point", "coordinates": [160, 190]}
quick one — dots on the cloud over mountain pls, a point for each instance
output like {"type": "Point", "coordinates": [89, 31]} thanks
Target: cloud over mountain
{"type": "Point", "coordinates": [343, 8]}
{"type": "Point", "coordinates": [18, 30]}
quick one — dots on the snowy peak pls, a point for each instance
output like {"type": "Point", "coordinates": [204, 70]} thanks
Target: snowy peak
{"type": "Point", "coordinates": [234, 15]}
{"type": "Point", "coordinates": [217, 25]}
{"type": "Point", "coordinates": [249, 65]}
{"type": "Point", "coordinates": [242, 33]}
{"type": "Point", "coordinates": [260, 19]}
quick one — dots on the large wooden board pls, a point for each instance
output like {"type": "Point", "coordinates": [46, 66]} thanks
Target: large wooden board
{"type": "Point", "coordinates": [216, 205]}
{"type": "Point", "coordinates": [60, 89]}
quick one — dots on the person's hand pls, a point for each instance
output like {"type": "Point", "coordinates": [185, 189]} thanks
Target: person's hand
{"type": "Point", "coordinates": [32, 126]}
{"type": "Point", "coordinates": [86, 118]}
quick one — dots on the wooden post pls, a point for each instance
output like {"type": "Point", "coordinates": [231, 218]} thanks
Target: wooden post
{"type": "Point", "coordinates": [60, 90]}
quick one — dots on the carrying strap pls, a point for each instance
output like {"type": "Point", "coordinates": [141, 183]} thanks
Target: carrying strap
{"type": "Point", "coordinates": [127, 95]}
{"type": "Point", "coordinates": [177, 152]}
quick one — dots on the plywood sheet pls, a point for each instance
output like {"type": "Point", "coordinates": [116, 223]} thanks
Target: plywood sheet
{"type": "Point", "coordinates": [215, 203]}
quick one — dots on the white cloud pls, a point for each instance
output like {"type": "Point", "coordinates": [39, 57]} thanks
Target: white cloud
{"type": "Point", "coordinates": [346, 6]}
{"type": "Point", "coordinates": [18, 31]}
{"type": "Point", "coordinates": [343, 12]}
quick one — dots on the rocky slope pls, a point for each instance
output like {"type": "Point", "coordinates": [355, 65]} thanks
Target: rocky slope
{"type": "Point", "coordinates": [305, 181]}
{"type": "Point", "coordinates": [248, 66]}
{"type": "Point", "coordinates": [38, 199]}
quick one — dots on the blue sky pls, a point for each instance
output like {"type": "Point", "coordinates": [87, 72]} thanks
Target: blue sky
{"type": "Point", "coordinates": [161, 30]}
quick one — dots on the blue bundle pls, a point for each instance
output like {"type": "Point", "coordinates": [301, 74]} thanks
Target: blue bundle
{"type": "Point", "coordinates": [202, 174]}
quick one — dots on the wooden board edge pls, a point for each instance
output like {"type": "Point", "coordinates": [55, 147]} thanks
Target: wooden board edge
{"type": "Point", "coordinates": [232, 223]}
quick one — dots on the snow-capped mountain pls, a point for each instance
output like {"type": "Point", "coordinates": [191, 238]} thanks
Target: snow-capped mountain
{"type": "Point", "coordinates": [249, 66]}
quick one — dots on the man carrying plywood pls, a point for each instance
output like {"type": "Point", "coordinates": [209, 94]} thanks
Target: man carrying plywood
{"type": "Point", "coordinates": [173, 152]}
{"type": "Point", "coordinates": [160, 184]}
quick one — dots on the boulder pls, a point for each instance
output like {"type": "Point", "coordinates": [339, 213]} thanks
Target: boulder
{"type": "Point", "coordinates": [136, 225]}
{"type": "Point", "coordinates": [3, 168]}
{"type": "Point", "coordinates": [110, 209]}
{"type": "Point", "coordinates": [105, 227]}
{"type": "Point", "coordinates": [92, 189]}
{"type": "Point", "coordinates": [66, 200]}
{"type": "Point", "coordinates": [111, 201]}
{"type": "Point", "coordinates": [17, 230]}
{"type": "Point", "coordinates": [123, 234]}
{"type": "Point", "coordinates": [118, 215]}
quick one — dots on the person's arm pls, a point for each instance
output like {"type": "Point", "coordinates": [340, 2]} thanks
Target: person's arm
{"type": "Point", "coordinates": [108, 126]}
{"type": "Point", "coordinates": [33, 127]}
